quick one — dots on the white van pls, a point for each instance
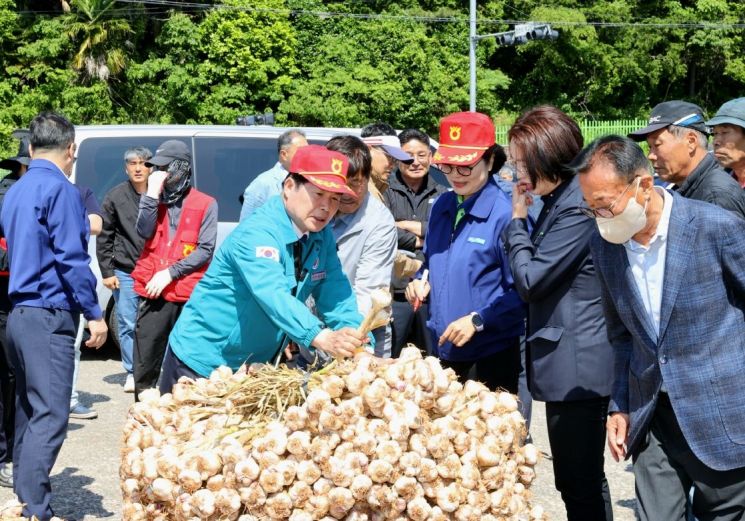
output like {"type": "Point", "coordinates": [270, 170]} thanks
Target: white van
{"type": "Point", "coordinates": [225, 159]}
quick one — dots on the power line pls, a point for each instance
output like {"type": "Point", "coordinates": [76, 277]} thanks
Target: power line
{"type": "Point", "coordinates": [197, 6]}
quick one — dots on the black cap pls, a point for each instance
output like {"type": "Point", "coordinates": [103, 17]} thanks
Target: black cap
{"type": "Point", "coordinates": [169, 151]}
{"type": "Point", "coordinates": [676, 112]}
{"type": "Point", "coordinates": [23, 157]}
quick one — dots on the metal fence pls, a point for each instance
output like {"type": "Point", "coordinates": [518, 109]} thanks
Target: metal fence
{"type": "Point", "coordinates": [591, 129]}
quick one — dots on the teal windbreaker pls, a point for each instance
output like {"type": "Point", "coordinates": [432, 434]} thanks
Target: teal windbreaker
{"type": "Point", "coordinates": [243, 305]}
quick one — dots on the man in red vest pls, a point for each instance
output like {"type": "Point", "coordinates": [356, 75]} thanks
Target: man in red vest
{"type": "Point", "coordinates": [179, 224]}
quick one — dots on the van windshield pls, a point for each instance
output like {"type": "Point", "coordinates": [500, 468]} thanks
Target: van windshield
{"type": "Point", "coordinates": [100, 163]}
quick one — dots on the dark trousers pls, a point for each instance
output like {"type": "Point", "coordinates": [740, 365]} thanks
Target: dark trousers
{"type": "Point", "coordinates": [410, 326]}
{"type": "Point", "coordinates": [497, 371]}
{"type": "Point", "coordinates": [155, 319]}
{"type": "Point", "coordinates": [42, 343]}
{"type": "Point", "coordinates": [7, 394]}
{"type": "Point", "coordinates": [576, 433]}
{"type": "Point", "coordinates": [665, 469]}
{"type": "Point", "coordinates": [173, 369]}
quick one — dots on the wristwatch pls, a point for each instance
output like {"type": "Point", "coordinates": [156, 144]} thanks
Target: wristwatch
{"type": "Point", "coordinates": [478, 324]}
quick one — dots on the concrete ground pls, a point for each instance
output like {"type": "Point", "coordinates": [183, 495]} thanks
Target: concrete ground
{"type": "Point", "coordinates": [85, 480]}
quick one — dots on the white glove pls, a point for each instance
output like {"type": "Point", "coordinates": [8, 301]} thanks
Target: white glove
{"type": "Point", "coordinates": [158, 283]}
{"type": "Point", "coordinates": [155, 183]}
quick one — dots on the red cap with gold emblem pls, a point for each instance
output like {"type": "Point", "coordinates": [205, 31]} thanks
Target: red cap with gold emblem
{"type": "Point", "coordinates": [324, 168]}
{"type": "Point", "coordinates": [464, 137]}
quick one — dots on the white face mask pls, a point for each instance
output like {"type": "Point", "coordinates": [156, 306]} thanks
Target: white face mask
{"type": "Point", "coordinates": [626, 224]}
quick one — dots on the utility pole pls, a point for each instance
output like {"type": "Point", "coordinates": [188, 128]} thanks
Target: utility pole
{"type": "Point", "coordinates": [472, 56]}
{"type": "Point", "coordinates": [522, 33]}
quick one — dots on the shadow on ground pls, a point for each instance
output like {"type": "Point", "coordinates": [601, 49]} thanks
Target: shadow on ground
{"type": "Point", "coordinates": [116, 378]}
{"type": "Point", "coordinates": [92, 399]}
{"type": "Point", "coordinates": [72, 500]}
{"type": "Point", "coordinates": [627, 503]}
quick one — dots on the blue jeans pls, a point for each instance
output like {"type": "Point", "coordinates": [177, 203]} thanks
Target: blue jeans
{"type": "Point", "coordinates": [78, 341]}
{"type": "Point", "coordinates": [126, 315]}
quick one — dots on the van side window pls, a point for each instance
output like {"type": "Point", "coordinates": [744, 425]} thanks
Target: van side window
{"type": "Point", "coordinates": [226, 165]}
{"type": "Point", "coordinates": [100, 163]}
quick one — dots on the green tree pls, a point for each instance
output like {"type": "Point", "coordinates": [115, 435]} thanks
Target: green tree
{"type": "Point", "coordinates": [404, 71]}
{"type": "Point", "coordinates": [100, 38]}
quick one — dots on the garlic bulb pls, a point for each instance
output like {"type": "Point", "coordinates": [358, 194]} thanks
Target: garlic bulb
{"type": "Point", "coordinates": [341, 501]}
{"type": "Point", "coordinates": [278, 506]}
{"type": "Point", "coordinates": [271, 480]}
{"type": "Point", "coordinates": [360, 486]}
{"type": "Point", "coordinates": [448, 498]}
{"type": "Point", "coordinates": [246, 471]}
{"type": "Point", "coordinates": [296, 417]}
{"type": "Point", "coordinates": [317, 400]}
{"type": "Point", "coordinates": [418, 509]}
{"type": "Point", "coordinates": [380, 471]}
{"type": "Point", "coordinates": [308, 472]}
{"type": "Point", "coordinates": [203, 503]}
{"type": "Point", "coordinates": [333, 385]}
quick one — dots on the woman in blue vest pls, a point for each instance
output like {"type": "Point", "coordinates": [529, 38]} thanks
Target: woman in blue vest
{"type": "Point", "coordinates": [475, 315]}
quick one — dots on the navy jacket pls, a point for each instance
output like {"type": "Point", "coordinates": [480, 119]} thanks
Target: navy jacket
{"type": "Point", "coordinates": [469, 271]}
{"type": "Point", "coordinates": [700, 349]}
{"type": "Point", "coordinates": [569, 356]}
{"type": "Point", "coordinates": [44, 222]}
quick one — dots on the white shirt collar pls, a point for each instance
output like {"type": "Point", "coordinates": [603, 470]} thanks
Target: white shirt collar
{"type": "Point", "coordinates": [299, 234]}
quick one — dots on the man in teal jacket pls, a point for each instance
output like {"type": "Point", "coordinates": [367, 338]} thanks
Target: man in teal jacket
{"type": "Point", "coordinates": [252, 298]}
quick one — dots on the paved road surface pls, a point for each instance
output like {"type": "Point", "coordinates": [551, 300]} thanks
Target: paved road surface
{"type": "Point", "coordinates": [85, 479]}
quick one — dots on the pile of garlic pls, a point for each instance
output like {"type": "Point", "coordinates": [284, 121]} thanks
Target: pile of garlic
{"type": "Point", "coordinates": [372, 441]}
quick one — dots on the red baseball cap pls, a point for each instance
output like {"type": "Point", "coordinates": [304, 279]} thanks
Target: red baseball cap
{"type": "Point", "coordinates": [324, 168]}
{"type": "Point", "coordinates": [464, 137]}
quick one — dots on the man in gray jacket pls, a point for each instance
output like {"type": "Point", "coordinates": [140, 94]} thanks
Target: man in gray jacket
{"type": "Point", "coordinates": [677, 136]}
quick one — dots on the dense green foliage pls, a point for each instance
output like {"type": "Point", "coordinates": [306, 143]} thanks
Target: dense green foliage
{"type": "Point", "coordinates": [340, 63]}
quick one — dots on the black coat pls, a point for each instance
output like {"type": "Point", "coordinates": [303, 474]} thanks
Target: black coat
{"type": "Point", "coordinates": [405, 205]}
{"type": "Point", "coordinates": [568, 356]}
{"type": "Point", "coordinates": [709, 182]}
{"type": "Point", "coordinates": [119, 245]}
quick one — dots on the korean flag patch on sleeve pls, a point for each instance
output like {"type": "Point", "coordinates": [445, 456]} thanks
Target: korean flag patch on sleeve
{"type": "Point", "coordinates": [267, 252]}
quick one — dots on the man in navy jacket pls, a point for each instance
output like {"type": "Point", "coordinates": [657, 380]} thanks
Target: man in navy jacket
{"type": "Point", "coordinates": [44, 222]}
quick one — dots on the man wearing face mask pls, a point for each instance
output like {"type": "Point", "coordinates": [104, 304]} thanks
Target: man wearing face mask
{"type": "Point", "coordinates": [179, 224]}
{"type": "Point", "coordinates": [673, 293]}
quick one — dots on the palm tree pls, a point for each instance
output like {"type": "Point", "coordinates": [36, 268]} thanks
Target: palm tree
{"type": "Point", "coordinates": [100, 38]}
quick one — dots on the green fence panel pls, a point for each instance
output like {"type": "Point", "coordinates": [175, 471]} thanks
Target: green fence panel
{"type": "Point", "coordinates": [591, 129]}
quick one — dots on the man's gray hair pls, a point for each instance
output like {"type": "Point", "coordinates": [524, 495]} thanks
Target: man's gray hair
{"type": "Point", "coordinates": [143, 153]}
{"type": "Point", "coordinates": [680, 132]}
{"type": "Point", "coordinates": [285, 139]}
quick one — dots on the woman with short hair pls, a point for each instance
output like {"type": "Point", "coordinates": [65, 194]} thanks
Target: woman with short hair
{"type": "Point", "coordinates": [569, 358]}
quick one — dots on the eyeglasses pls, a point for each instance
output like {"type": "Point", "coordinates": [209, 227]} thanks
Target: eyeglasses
{"type": "Point", "coordinates": [356, 183]}
{"type": "Point", "coordinates": [465, 171]}
{"type": "Point", "coordinates": [607, 211]}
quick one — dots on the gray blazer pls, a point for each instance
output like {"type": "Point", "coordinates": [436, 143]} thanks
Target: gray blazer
{"type": "Point", "coordinates": [568, 356]}
{"type": "Point", "coordinates": [700, 349]}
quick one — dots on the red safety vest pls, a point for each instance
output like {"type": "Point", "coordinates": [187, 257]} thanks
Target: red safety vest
{"type": "Point", "coordinates": [160, 253]}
